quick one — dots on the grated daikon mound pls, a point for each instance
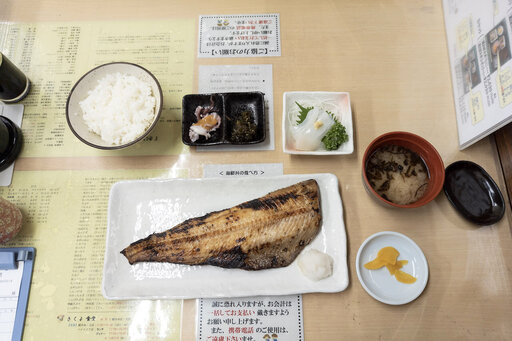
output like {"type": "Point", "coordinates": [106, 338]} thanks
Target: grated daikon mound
{"type": "Point", "coordinates": [315, 265]}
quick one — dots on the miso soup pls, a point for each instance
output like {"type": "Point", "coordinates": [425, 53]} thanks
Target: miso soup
{"type": "Point", "coordinates": [397, 174]}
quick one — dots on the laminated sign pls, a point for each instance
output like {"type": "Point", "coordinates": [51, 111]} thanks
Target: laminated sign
{"type": "Point", "coordinates": [256, 35]}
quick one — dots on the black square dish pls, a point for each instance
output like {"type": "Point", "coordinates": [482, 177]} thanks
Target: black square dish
{"type": "Point", "coordinates": [242, 118]}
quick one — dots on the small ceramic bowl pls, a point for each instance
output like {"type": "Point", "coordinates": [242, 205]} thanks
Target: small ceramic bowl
{"type": "Point", "coordinates": [88, 82]}
{"type": "Point", "coordinates": [421, 147]}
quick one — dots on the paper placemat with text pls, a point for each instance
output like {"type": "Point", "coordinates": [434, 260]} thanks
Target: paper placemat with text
{"type": "Point", "coordinates": [55, 55]}
{"type": "Point", "coordinates": [65, 219]}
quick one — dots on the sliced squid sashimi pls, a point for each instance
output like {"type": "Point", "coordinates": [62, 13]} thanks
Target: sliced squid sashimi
{"type": "Point", "coordinates": [308, 134]}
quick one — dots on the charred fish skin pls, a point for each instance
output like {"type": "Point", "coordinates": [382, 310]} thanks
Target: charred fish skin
{"type": "Point", "coordinates": [263, 233]}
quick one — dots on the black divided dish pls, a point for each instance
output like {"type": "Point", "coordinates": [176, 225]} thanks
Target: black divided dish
{"type": "Point", "coordinates": [229, 106]}
{"type": "Point", "coordinates": [473, 193]}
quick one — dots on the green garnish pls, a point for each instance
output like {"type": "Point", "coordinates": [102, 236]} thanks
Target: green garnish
{"type": "Point", "coordinates": [244, 128]}
{"type": "Point", "coordinates": [336, 136]}
{"type": "Point", "coordinates": [303, 113]}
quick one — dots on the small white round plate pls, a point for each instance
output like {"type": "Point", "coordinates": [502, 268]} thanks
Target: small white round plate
{"type": "Point", "coordinates": [379, 283]}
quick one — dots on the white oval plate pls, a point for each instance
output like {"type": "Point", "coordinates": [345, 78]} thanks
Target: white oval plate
{"type": "Point", "coordinates": [379, 283]}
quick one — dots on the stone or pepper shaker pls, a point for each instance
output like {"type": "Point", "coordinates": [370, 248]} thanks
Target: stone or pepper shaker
{"type": "Point", "coordinates": [10, 220]}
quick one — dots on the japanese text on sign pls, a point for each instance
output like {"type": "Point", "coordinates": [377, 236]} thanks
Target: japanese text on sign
{"type": "Point", "coordinates": [239, 36]}
{"type": "Point", "coordinates": [249, 319]}
{"type": "Point", "coordinates": [230, 170]}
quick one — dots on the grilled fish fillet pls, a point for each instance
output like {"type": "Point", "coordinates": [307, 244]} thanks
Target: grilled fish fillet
{"type": "Point", "coordinates": [268, 232]}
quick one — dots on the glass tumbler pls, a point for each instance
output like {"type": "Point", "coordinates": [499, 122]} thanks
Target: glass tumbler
{"type": "Point", "coordinates": [14, 84]}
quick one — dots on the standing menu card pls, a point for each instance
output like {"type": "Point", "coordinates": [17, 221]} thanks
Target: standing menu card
{"type": "Point", "coordinates": [478, 34]}
{"type": "Point", "coordinates": [251, 318]}
{"type": "Point", "coordinates": [242, 35]}
{"type": "Point", "coordinates": [234, 78]}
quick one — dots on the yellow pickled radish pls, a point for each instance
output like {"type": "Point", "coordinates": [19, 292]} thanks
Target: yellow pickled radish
{"type": "Point", "coordinates": [375, 264]}
{"type": "Point", "coordinates": [388, 254]}
{"type": "Point", "coordinates": [404, 277]}
{"type": "Point", "coordinates": [394, 268]}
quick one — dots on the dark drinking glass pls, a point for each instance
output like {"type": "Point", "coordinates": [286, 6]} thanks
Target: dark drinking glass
{"type": "Point", "coordinates": [14, 84]}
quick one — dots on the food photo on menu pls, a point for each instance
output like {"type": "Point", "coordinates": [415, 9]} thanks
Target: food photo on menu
{"type": "Point", "coordinates": [210, 177]}
{"type": "Point", "coordinates": [470, 70]}
{"type": "Point", "coordinates": [498, 46]}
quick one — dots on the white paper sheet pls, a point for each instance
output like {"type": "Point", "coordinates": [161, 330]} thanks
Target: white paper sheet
{"type": "Point", "coordinates": [242, 35]}
{"type": "Point", "coordinates": [241, 78]}
{"type": "Point", "coordinates": [10, 282]}
{"type": "Point", "coordinates": [242, 169]}
{"type": "Point", "coordinates": [251, 318]}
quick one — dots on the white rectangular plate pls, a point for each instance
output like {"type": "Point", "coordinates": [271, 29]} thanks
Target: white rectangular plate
{"type": "Point", "coordinates": [139, 208]}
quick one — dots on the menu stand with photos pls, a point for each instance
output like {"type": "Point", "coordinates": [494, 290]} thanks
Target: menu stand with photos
{"type": "Point", "coordinates": [478, 35]}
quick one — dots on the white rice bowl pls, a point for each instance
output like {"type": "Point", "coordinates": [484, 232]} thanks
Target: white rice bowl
{"type": "Point", "coordinates": [119, 109]}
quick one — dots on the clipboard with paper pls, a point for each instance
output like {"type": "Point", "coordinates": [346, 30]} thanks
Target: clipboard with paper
{"type": "Point", "coordinates": [16, 266]}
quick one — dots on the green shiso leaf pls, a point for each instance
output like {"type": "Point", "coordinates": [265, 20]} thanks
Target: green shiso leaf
{"type": "Point", "coordinates": [303, 113]}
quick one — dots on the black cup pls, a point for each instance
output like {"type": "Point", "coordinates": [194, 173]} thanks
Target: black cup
{"type": "Point", "coordinates": [10, 142]}
{"type": "Point", "coordinates": [14, 84]}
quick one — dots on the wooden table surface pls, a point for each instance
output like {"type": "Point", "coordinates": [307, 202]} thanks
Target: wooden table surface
{"type": "Point", "coordinates": [392, 58]}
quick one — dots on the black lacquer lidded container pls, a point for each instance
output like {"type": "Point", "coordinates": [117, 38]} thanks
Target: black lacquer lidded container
{"type": "Point", "coordinates": [473, 193]}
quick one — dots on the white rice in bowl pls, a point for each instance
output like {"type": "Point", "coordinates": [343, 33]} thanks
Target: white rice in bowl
{"type": "Point", "coordinates": [119, 109]}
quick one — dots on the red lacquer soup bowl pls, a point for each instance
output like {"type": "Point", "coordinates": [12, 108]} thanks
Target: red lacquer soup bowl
{"type": "Point", "coordinates": [418, 145]}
